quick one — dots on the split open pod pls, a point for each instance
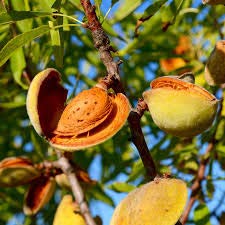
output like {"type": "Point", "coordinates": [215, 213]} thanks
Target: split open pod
{"type": "Point", "coordinates": [160, 202]}
{"type": "Point", "coordinates": [15, 171]}
{"type": "Point", "coordinates": [90, 118]}
{"type": "Point", "coordinates": [180, 108]}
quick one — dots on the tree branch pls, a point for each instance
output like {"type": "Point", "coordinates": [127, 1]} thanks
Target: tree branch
{"type": "Point", "coordinates": [68, 169]}
{"type": "Point", "coordinates": [112, 80]}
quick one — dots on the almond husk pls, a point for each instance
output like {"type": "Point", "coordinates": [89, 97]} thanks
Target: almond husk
{"type": "Point", "coordinates": [15, 171]}
{"type": "Point", "coordinates": [39, 193]}
{"type": "Point", "coordinates": [214, 69]}
{"type": "Point", "coordinates": [180, 108]}
{"type": "Point", "coordinates": [160, 202]}
{"type": "Point", "coordinates": [46, 101]}
{"type": "Point", "coordinates": [92, 117]}
{"type": "Point", "coordinates": [213, 2]}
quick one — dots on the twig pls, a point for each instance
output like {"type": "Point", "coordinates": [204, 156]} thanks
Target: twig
{"type": "Point", "coordinates": [196, 186]}
{"type": "Point", "coordinates": [112, 80]}
{"type": "Point", "coordinates": [68, 169]}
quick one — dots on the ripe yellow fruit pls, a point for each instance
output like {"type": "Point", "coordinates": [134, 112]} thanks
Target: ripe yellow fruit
{"type": "Point", "coordinates": [159, 202]}
{"type": "Point", "coordinates": [68, 213]}
{"type": "Point", "coordinates": [180, 108]}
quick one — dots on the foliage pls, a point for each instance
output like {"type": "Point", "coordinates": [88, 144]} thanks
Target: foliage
{"type": "Point", "coordinates": [34, 37]}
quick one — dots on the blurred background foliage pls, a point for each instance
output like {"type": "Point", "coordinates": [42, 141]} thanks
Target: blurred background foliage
{"type": "Point", "coordinates": [152, 38]}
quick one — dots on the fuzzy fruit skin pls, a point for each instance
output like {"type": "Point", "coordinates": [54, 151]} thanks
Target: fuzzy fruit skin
{"type": "Point", "coordinates": [159, 202]}
{"type": "Point", "coordinates": [214, 69]}
{"type": "Point", "coordinates": [66, 213]}
{"type": "Point", "coordinates": [184, 111]}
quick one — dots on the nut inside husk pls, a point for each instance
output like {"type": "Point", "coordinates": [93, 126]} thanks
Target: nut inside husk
{"type": "Point", "coordinates": [68, 213]}
{"type": "Point", "coordinates": [180, 108]}
{"type": "Point", "coordinates": [159, 202]}
{"type": "Point", "coordinates": [90, 118]}
{"type": "Point", "coordinates": [39, 193]}
{"type": "Point", "coordinates": [15, 171]}
{"type": "Point", "coordinates": [214, 69]}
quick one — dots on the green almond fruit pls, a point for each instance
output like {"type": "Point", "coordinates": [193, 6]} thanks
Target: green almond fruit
{"type": "Point", "coordinates": [180, 108]}
{"type": "Point", "coordinates": [160, 202]}
{"type": "Point", "coordinates": [15, 171]}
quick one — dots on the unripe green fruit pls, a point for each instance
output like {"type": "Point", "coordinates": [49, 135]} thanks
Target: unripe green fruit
{"type": "Point", "coordinates": [159, 202]}
{"type": "Point", "coordinates": [214, 69]}
{"type": "Point", "coordinates": [180, 108]}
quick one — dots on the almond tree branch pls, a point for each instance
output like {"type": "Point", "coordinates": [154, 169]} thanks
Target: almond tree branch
{"type": "Point", "coordinates": [112, 80]}
{"type": "Point", "coordinates": [64, 164]}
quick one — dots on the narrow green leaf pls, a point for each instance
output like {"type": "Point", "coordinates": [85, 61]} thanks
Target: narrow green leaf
{"type": "Point", "coordinates": [202, 215]}
{"type": "Point", "coordinates": [99, 194]}
{"type": "Point", "coordinates": [125, 9]}
{"type": "Point", "coordinates": [121, 187]}
{"type": "Point", "coordinates": [17, 65]}
{"type": "Point", "coordinates": [12, 16]}
{"type": "Point", "coordinates": [57, 43]}
{"type": "Point", "coordinates": [12, 105]}
{"type": "Point", "coordinates": [152, 9]}
{"type": "Point", "coordinates": [19, 41]}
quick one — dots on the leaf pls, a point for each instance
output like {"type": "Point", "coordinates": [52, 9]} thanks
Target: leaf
{"type": "Point", "coordinates": [56, 38]}
{"type": "Point", "coordinates": [152, 9]}
{"type": "Point", "coordinates": [121, 187]}
{"type": "Point", "coordinates": [19, 41]}
{"type": "Point", "coordinates": [125, 9]}
{"type": "Point", "coordinates": [202, 215]}
{"type": "Point", "coordinates": [12, 16]}
{"type": "Point", "coordinates": [57, 4]}
{"type": "Point", "coordinates": [17, 65]}
{"type": "Point", "coordinates": [98, 193]}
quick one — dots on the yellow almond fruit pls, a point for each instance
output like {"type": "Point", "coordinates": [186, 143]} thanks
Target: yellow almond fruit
{"type": "Point", "coordinates": [214, 69]}
{"type": "Point", "coordinates": [90, 118]}
{"type": "Point", "coordinates": [180, 108]}
{"type": "Point", "coordinates": [68, 213]}
{"type": "Point", "coordinates": [160, 202]}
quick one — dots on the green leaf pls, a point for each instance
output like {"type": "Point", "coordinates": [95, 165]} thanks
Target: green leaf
{"type": "Point", "coordinates": [98, 193]}
{"type": "Point", "coordinates": [202, 215]}
{"type": "Point", "coordinates": [121, 187]}
{"type": "Point", "coordinates": [17, 65]}
{"type": "Point", "coordinates": [125, 9]}
{"type": "Point", "coordinates": [12, 16]}
{"type": "Point", "coordinates": [57, 4]}
{"type": "Point", "coordinates": [152, 9]}
{"type": "Point", "coordinates": [57, 41]}
{"type": "Point", "coordinates": [19, 41]}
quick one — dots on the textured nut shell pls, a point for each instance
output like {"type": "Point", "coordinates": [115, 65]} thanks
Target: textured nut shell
{"type": "Point", "coordinates": [214, 69]}
{"type": "Point", "coordinates": [67, 213]}
{"type": "Point", "coordinates": [180, 108]}
{"type": "Point", "coordinates": [39, 193]}
{"type": "Point", "coordinates": [110, 126]}
{"type": "Point", "coordinates": [86, 111]}
{"type": "Point", "coordinates": [159, 202]}
{"type": "Point", "coordinates": [45, 101]}
{"type": "Point", "coordinates": [15, 171]}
